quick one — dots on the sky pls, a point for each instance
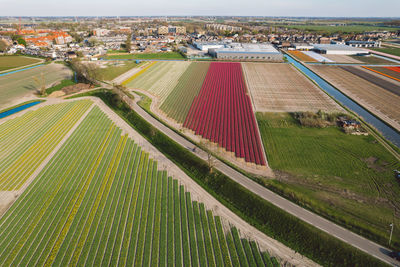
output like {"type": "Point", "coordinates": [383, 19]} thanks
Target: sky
{"type": "Point", "coordinates": [308, 8]}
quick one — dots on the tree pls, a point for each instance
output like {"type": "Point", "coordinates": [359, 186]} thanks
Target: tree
{"type": "Point", "coordinates": [128, 44]}
{"type": "Point", "coordinates": [3, 46]}
{"type": "Point", "coordinates": [85, 72]}
{"type": "Point", "coordinates": [21, 41]}
{"type": "Point", "coordinates": [41, 84]}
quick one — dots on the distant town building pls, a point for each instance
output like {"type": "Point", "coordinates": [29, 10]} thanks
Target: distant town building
{"type": "Point", "coordinates": [100, 32]}
{"type": "Point", "coordinates": [247, 52]}
{"type": "Point", "coordinates": [324, 40]}
{"type": "Point", "coordinates": [363, 44]}
{"type": "Point", "coordinates": [302, 46]}
{"type": "Point", "coordinates": [337, 49]}
{"type": "Point", "coordinates": [222, 27]}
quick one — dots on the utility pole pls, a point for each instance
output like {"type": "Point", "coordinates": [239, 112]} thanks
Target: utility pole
{"type": "Point", "coordinates": [391, 232]}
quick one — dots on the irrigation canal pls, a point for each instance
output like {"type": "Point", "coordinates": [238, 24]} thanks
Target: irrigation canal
{"type": "Point", "coordinates": [388, 132]}
{"type": "Point", "coordinates": [18, 109]}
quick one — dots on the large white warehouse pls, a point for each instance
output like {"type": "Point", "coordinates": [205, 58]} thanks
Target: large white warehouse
{"type": "Point", "coordinates": [338, 49]}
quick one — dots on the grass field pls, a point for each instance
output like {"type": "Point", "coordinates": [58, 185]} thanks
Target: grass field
{"type": "Point", "coordinates": [11, 62]}
{"type": "Point", "coordinates": [161, 55]}
{"type": "Point", "coordinates": [16, 85]}
{"type": "Point", "coordinates": [59, 86]}
{"type": "Point", "coordinates": [344, 177]}
{"type": "Point", "coordinates": [111, 70]}
{"type": "Point", "coordinates": [101, 201]}
{"type": "Point", "coordinates": [389, 50]}
{"type": "Point", "coordinates": [178, 102]}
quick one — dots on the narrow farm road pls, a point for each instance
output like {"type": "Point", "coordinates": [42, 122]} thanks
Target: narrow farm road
{"type": "Point", "coordinates": [325, 225]}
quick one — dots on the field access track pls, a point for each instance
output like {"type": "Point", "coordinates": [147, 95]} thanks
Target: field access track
{"type": "Point", "coordinates": [282, 88]}
{"type": "Point", "coordinates": [27, 140]}
{"type": "Point", "coordinates": [178, 102]}
{"type": "Point", "coordinates": [393, 87]}
{"type": "Point", "coordinates": [101, 201]}
{"type": "Point", "coordinates": [223, 114]}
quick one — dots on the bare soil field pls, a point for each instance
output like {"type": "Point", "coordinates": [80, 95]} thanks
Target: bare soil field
{"type": "Point", "coordinates": [301, 56]}
{"type": "Point", "coordinates": [379, 101]}
{"type": "Point", "coordinates": [282, 88]}
{"type": "Point", "coordinates": [343, 59]}
{"type": "Point", "coordinates": [22, 84]}
{"type": "Point", "coordinates": [379, 80]}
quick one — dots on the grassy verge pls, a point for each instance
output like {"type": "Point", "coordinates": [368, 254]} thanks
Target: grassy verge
{"type": "Point", "coordinates": [16, 62]}
{"type": "Point", "coordinates": [59, 86]}
{"type": "Point", "coordinates": [346, 178]}
{"type": "Point", "coordinates": [269, 219]}
{"type": "Point", "coordinates": [389, 50]}
{"type": "Point", "coordinates": [161, 55]}
{"type": "Point", "coordinates": [114, 69]}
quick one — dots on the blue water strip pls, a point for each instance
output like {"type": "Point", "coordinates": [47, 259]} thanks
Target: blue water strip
{"type": "Point", "coordinates": [18, 109]}
{"type": "Point", "coordinates": [15, 71]}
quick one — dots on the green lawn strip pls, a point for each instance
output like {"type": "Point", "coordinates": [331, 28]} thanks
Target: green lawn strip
{"type": "Point", "coordinates": [112, 250]}
{"type": "Point", "coordinates": [179, 101]}
{"type": "Point", "coordinates": [150, 221]}
{"type": "Point", "coordinates": [144, 217]}
{"type": "Point", "coordinates": [199, 235]}
{"type": "Point", "coordinates": [16, 62]}
{"type": "Point", "coordinates": [41, 149]}
{"type": "Point", "coordinates": [47, 222]}
{"type": "Point", "coordinates": [184, 225]}
{"type": "Point", "coordinates": [67, 218]}
{"type": "Point", "coordinates": [114, 69]}
{"type": "Point", "coordinates": [59, 86]}
{"type": "Point", "coordinates": [107, 234]}
{"type": "Point", "coordinates": [161, 55]}
{"type": "Point", "coordinates": [170, 224]}
{"type": "Point", "coordinates": [223, 243]}
{"type": "Point", "coordinates": [239, 247]}
{"type": "Point", "coordinates": [105, 219]}
{"type": "Point", "coordinates": [214, 238]}
{"type": "Point", "coordinates": [33, 222]}
{"type": "Point", "coordinates": [269, 219]}
{"type": "Point", "coordinates": [232, 249]}
{"type": "Point", "coordinates": [256, 254]}
{"type": "Point", "coordinates": [267, 259]}
{"type": "Point", "coordinates": [100, 202]}
{"type": "Point", "coordinates": [192, 232]}
{"type": "Point", "coordinates": [249, 253]}
{"type": "Point", "coordinates": [164, 221]}
{"type": "Point", "coordinates": [206, 234]}
{"type": "Point", "coordinates": [388, 50]}
{"type": "Point", "coordinates": [155, 249]}
{"type": "Point", "coordinates": [177, 225]}
{"type": "Point", "coordinates": [134, 211]}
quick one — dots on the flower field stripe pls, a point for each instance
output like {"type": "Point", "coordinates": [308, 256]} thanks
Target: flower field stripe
{"type": "Point", "coordinates": [386, 75]}
{"type": "Point", "coordinates": [178, 102]}
{"type": "Point", "coordinates": [177, 226]}
{"type": "Point", "coordinates": [104, 231]}
{"type": "Point", "coordinates": [140, 212]}
{"type": "Point", "coordinates": [113, 249]}
{"type": "Point", "coordinates": [185, 229]}
{"type": "Point", "coordinates": [48, 221]}
{"type": "Point", "coordinates": [138, 73]}
{"type": "Point", "coordinates": [155, 250]}
{"type": "Point", "coordinates": [63, 227]}
{"type": "Point", "coordinates": [192, 232]}
{"type": "Point", "coordinates": [24, 200]}
{"type": "Point", "coordinates": [222, 241]}
{"type": "Point", "coordinates": [207, 237]}
{"type": "Point", "coordinates": [239, 248]}
{"type": "Point", "coordinates": [256, 253]}
{"type": "Point", "coordinates": [232, 249]}
{"type": "Point", "coordinates": [137, 254]}
{"type": "Point", "coordinates": [164, 221]}
{"type": "Point", "coordinates": [170, 224]}
{"type": "Point", "coordinates": [150, 221]}
{"type": "Point", "coordinates": [222, 113]}
{"type": "Point", "coordinates": [18, 172]}
{"type": "Point", "coordinates": [249, 253]}
{"type": "Point", "coordinates": [214, 238]}
{"type": "Point", "coordinates": [33, 222]}
{"type": "Point", "coordinates": [199, 235]}
{"type": "Point", "coordinates": [121, 254]}
{"type": "Point", "coordinates": [108, 179]}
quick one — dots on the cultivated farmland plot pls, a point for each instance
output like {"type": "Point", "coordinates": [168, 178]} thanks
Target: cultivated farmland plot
{"type": "Point", "coordinates": [379, 101]}
{"type": "Point", "coordinates": [282, 88]}
{"type": "Point", "coordinates": [160, 79]}
{"type": "Point", "coordinates": [102, 201]}
{"type": "Point", "coordinates": [342, 59]}
{"type": "Point", "coordinates": [390, 72]}
{"type": "Point", "coordinates": [301, 56]}
{"type": "Point", "coordinates": [223, 114]}
{"type": "Point", "coordinates": [16, 85]}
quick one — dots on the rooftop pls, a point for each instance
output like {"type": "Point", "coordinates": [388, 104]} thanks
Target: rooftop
{"type": "Point", "coordinates": [337, 47]}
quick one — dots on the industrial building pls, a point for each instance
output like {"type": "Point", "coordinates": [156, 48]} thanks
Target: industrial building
{"type": "Point", "coordinates": [365, 44]}
{"type": "Point", "coordinates": [338, 49]}
{"type": "Point", "coordinates": [205, 46]}
{"type": "Point", "coordinates": [247, 52]}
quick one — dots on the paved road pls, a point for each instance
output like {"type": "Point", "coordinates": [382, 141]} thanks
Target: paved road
{"type": "Point", "coordinates": [331, 228]}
